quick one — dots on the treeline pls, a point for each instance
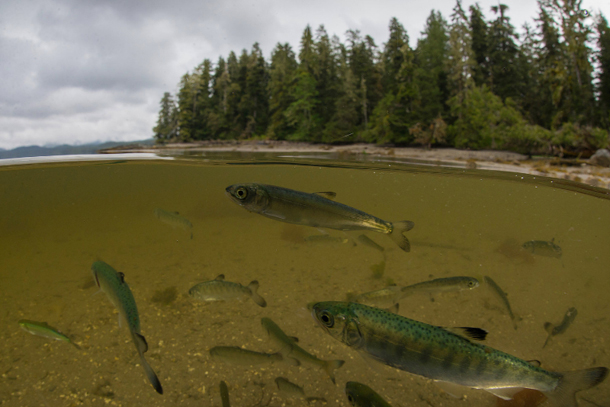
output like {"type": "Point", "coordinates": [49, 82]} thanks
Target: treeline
{"type": "Point", "coordinates": [471, 82]}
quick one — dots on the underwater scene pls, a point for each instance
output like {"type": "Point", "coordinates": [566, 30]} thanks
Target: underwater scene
{"type": "Point", "coordinates": [273, 280]}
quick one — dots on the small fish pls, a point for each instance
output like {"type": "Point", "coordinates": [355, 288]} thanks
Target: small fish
{"type": "Point", "coordinates": [235, 355]}
{"type": "Point", "coordinates": [224, 394]}
{"type": "Point", "coordinates": [294, 390]}
{"type": "Point", "coordinates": [384, 298]}
{"type": "Point", "coordinates": [367, 241]}
{"type": "Point", "coordinates": [441, 355]}
{"type": "Point", "coordinates": [361, 395]}
{"type": "Point", "coordinates": [553, 330]}
{"type": "Point", "coordinates": [326, 239]}
{"type": "Point", "coordinates": [314, 210]}
{"type": "Point", "coordinates": [175, 220]}
{"type": "Point", "coordinates": [113, 284]}
{"type": "Point", "coordinates": [543, 248]}
{"type": "Point", "coordinates": [440, 285]}
{"type": "Point", "coordinates": [501, 295]}
{"type": "Point", "coordinates": [43, 329]}
{"type": "Point", "coordinates": [290, 349]}
{"type": "Point", "coordinates": [221, 290]}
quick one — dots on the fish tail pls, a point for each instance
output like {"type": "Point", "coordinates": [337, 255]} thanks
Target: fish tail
{"type": "Point", "coordinates": [564, 394]}
{"type": "Point", "coordinates": [331, 366]}
{"type": "Point", "coordinates": [142, 347]}
{"type": "Point", "coordinates": [253, 286]}
{"type": "Point", "coordinates": [398, 228]}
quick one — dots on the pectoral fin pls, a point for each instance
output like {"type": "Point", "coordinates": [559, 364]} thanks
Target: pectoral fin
{"type": "Point", "coordinates": [327, 195]}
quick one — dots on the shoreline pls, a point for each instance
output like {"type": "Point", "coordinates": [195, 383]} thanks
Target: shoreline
{"type": "Point", "coordinates": [493, 160]}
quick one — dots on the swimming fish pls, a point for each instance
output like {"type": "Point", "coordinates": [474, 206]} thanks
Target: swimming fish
{"type": "Point", "coordinates": [113, 284]}
{"type": "Point", "coordinates": [221, 290]}
{"type": "Point", "coordinates": [367, 241]}
{"type": "Point", "coordinates": [501, 295]}
{"type": "Point", "coordinates": [543, 248]}
{"type": "Point", "coordinates": [361, 395]}
{"type": "Point", "coordinates": [235, 355]}
{"type": "Point", "coordinates": [325, 239]}
{"type": "Point", "coordinates": [224, 394]}
{"type": "Point", "coordinates": [384, 298]}
{"type": "Point", "coordinates": [294, 390]}
{"type": "Point", "coordinates": [43, 329]}
{"type": "Point", "coordinates": [290, 349]}
{"type": "Point", "coordinates": [438, 354]}
{"type": "Point", "coordinates": [440, 285]}
{"type": "Point", "coordinates": [553, 330]}
{"type": "Point", "coordinates": [175, 220]}
{"type": "Point", "coordinates": [314, 210]}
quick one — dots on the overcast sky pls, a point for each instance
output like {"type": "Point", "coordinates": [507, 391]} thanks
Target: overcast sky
{"type": "Point", "coordinates": [74, 71]}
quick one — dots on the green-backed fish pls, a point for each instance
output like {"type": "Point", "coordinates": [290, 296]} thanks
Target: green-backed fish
{"type": "Point", "coordinates": [43, 329]}
{"type": "Point", "coordinates": [175, 220]}
{"type": "Point", "coordinates": [441, 285]}
{"type": "Point", "coordinates": [543, 248]}
{"type": "Point", "coordinates": [314, 210]}
{"type": "Point", "coordinates": [221, 290]}
{"type": "Point", "coordinates": [118, 292]}
{"type": "Point", "coordinates": [361, 395]}
{"type": "Point", "coordinates": [290, 349]}
{"type": "Point", "coordinates": [235, 355]}
{"type": "Point", "coordinates": [290, 389]}
{"type": "Point", "coordinates": [553, 329]}
{"type": "Point", "coordinates": [441, 355]}
{"type": "Point", "coordinates": [502, 296]}
{"type": "Point", "coordinates": [224, 394]}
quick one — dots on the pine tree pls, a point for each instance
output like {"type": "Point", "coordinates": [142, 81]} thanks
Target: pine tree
{"type": "Point", "coordinates": [254, 104]}
{"type": "Point", "coordinates": [202, 81]}
{"type": "Point", "coordinates": [186, 107]}
{"type": "Point", "coordinates": [479, 45]}
{"type": "Point", "coordinates": [167, 123]}
{"type": "Point", "coordinates": [603, 76]}
{"type": "Point", "coordinates": [280, 88]}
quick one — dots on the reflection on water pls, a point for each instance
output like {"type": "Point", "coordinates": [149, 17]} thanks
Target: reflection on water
{"type": "Point", "coordinates": [57, 219]}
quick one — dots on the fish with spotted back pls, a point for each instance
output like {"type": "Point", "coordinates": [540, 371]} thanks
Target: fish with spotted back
{"type": "Point", "coordinates": [444, 356]}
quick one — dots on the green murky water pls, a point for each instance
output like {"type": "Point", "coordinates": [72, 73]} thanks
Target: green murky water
{"type": "Point", "coordinates": [57, 219]}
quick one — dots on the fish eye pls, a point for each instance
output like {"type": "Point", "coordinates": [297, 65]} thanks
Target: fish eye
{"type": "Point", "coordinates": [327, 319]}
{"type": "Point", "coordinates": [471, 283]}
{"type": "Point", "coordinates": [241, 193]}
{"type": "Point", "coordinates": [350, 399]}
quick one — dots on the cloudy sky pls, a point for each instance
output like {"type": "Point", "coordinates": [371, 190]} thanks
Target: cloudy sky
{"type": "Point", "coordinates": [76, 71]}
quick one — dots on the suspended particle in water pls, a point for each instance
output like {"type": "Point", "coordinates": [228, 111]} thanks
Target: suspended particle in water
{"type": "Point", "coordinates": [585, 13]}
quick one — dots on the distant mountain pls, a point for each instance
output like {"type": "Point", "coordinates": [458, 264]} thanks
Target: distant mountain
{"type": "Point", "coordinates": [65, 149]}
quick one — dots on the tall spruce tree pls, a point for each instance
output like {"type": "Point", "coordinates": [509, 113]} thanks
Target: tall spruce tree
{"type": "Point", "coordinates": [167, 123]}
{"type": "Point", "coordinates": [603, 76]}
{"type": "Point", "coordinates": [480, 46]}
{"type": "Point", "coordinates": [280, 87]}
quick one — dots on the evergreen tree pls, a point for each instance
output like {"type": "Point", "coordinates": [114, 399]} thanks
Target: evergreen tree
{"type": "Point", "coordinates": [280, 88]}
{"type": "Point", "coordinates": [347, 104]}
{"type": "Point", "coordinates": [324, 69]}
{"type": "Point", "coordinates": [480, 46]}
{"type": "Point", "coordinates": [431, 72]}
{"type": "Point", "coordinates": [393, 55]}
{"type": "Point", "coordinates": [220, 88]}
{"type": "Point", "coordinates": [167, 123]}
{"type": "Point", "coordinates": [603, 76]}
{"type": "Point", "coordinates": [202, 79]}
{"type": "Point", "coordinates": [186, 107]}
{"type": "Point", "coordinates": [254, 104]}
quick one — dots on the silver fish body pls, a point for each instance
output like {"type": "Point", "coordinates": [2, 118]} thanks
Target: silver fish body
{"type": "Point", "coordinates": [501, 295]}
{"type": "Point", "coordinates": [221, 290]}
{"type": "Point", "coordinates": [238, 356]}
{"type": "Point", "coordinates": [440, 285]}
{"type": "Point", "coordinates": [383, 298]}
{"type": "Point", "coordinates": [113, 284]}
{"type": "Point", "coordinates": [44, 330]}
{"type": "Point", "coordinates": [175, 220]}
{"type": "Point", "coordinates": [553, 329]}
{"type": "Point", "coordinates": [438, 354]}
{"type": "Point", "coordinates": [313, 210]}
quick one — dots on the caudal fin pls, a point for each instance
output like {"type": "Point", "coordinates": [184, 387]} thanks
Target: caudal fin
{"type": "Point", "coordinates": [142, 347]}
{"type": "Point", "coordinates": [572, 382]}
{"type": "Point", "coordinates": [397, 234]}
{"type": "Point", "coordinates": [331, 366]}
{"type": "Point", "coordinates": [253, 286]}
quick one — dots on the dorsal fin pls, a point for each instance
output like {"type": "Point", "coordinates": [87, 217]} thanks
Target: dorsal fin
{"type": "Point", "coordinates": [220, 277]}
{"type": "Point", "coordinates": [534, 362]}
{"type": "Point", "coordinates": [121, 277]}
{"type": "Point", "coordinates": [393, 309]}
{"type": "Point", "coordinates": [476, 334]}
{"type": "Point", "coordinates": [327, 194]}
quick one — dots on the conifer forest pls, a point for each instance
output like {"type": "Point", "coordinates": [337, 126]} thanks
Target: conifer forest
{"type": "Point", "coordinates": [472, 81]}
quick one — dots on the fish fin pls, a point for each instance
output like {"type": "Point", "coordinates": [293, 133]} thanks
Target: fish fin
{"type": "Point", "coordinates": [328, 194]}
{"type": "Point", "coordinates": [330, 366]}
{"type": "Point", "coordinates": [548, 338]}
{"type": "Point", "coordinates": [191, 235]}
{"type": "Point", "coordinates": [272, 214]}
{"type": "Point", "coordinates": [564, 395]}
{"type": "Point", "coordinates": [452, 389]}
{"type": "Point", "coordinates": [534, 362]}
{"type": "Point", "coordinates": [260, 301]}
{"type": "Point", "coordinates": [476, 334]}
{"type": "Point", "coordinates": [75, 344]}
{"type": "Point", "coordinates": [220, 277]}
{"type": "Point", "coordinates": [140, 342]}
{"type": "Point", "coordinates": [393, 309]}
{"type": "Point", "coordinates": [142, 348]}
{"type": "Point", "coordinates": [505, 393]}
{"type": "Point", "coordinates": [398, 228]}
{"type": "Point", "coordinates": [292, 361]}
{"type": "Point", "coordinates": [121, 277]}
{"type": "Point", "coordinates": [294, 338]}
